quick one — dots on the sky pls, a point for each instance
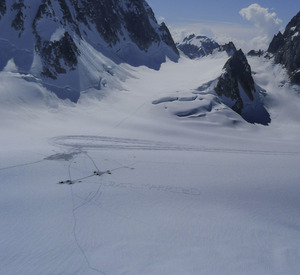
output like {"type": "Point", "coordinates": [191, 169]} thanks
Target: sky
{"type": "Point", "coordinates": [249, 24]}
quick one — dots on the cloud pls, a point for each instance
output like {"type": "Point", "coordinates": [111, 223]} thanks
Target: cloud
{"type": "Point", "coordinates": [245, 36]}
{"type": "Point", "coordinates": [261, 17]}
{"type": "Point", "coordinates": [265, 21]}
{"type": "Point", "coordinates": [222, 32]}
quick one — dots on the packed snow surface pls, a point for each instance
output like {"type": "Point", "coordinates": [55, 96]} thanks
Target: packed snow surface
{"type": "Point", "coordinates": [118, 185]}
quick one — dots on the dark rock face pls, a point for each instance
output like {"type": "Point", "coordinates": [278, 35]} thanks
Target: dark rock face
{"type": "Point", "coordinates": [138, 25]}
{"type": "Point", "coordinates": [109, 16]}
{"type": "Point", "coordinates": [54, 52]}
{"type": "Point", "coordinates": [167, 37]}
{"type": "Point", "coordinates": [43, 37]}
{"type": "Point", "coordinates": [286, 48]}
{"type": "Point", "coordinates": [2, 7]}
{"type": "Point", "coordinates": [18, 21]}
{"type": "Point", "coordinates": [276, 43]}
{"type": "Point", "coordinates": [197, 46]}
{"type": "Point", "coordinates": [115, 21]}
{"type": "Point", "coordinates": [237, 89]}
{"type": "Point", "coordinates": [236, 70]}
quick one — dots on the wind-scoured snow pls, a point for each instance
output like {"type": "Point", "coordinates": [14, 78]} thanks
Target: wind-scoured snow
{"type": "Point", "coordinates": [118, 185]}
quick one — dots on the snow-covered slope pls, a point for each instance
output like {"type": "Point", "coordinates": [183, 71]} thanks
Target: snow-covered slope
{"type": "Point", "coordinates": [150, 172]}
{"type": "Point", "coordinates": [64, 42]}
{"type": "Point", "coordinates": [232, 90]}
{"type": "Point", "coordinates": [171, 195]}
{"type": "Point", "coordinates": [181, 196]}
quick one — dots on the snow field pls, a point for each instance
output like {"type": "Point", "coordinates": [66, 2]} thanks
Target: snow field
{"type": "Point", "coordinates": [158, 212]}
{"type": "Point", "coordinates": [185, 196]}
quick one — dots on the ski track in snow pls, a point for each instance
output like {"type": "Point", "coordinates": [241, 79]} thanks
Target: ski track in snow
{"type": "Point", "coordinates": [75, 208]}
{"type": "Point", "coordinates": [81, 142]}
{"type": "Point", "coordinates": [93, 197]}
{"type": "Point", "coordinates": [223, 207]}
{"type": "Point", "coordinates": [21, 165]}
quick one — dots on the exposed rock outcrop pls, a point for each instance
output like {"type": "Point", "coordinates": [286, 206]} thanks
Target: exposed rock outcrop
{"type": "Point", "coordinates": [286, 48]}
{"type": "Point", "coordinates": [237, 89]}
{"type": "Point", "coordinates": [256, 53]}
{"type": "Point", "coordinates": [2, 8]}
{"type": "Point", "coordinates": [229, 48]}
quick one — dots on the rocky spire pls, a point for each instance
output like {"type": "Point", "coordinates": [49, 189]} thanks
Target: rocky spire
{"type": "Point", "coordinates": [237, 89]}
{"type": "Point", "coordinates": [286, 48]}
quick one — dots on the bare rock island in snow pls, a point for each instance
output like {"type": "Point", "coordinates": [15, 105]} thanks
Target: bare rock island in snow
{"type": "Point", "coordinates": [237, 89]}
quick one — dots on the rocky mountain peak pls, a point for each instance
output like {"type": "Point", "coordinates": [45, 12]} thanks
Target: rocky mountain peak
{"type": "Point", "coordinates": [229, 48]}
{"type": "Point", "coordinates": [198, 46]}
{"type": "Point", "coordinates": [276, 43]}
{"type": "Point", "coordinates": [286, 48]}
{"type": "Point", "coordinates": [293, 26]}
{"type": "Point", "coordinates": [236, 71]}
{"type": "Point", "coordinates": [237, 89]}
{"type": "Point", "coordinates": [167, 37]}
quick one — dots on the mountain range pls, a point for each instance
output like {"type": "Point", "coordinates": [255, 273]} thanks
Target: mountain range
{"type": "Point", "coordinates": [69, 47]}
{"type": "Point", "coordinates": [198, 46]}
{"type": "Point", "coordinates": [49, 39]}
